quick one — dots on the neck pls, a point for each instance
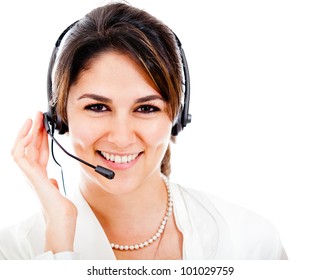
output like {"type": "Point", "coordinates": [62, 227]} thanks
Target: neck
{"type": "Point", "coordinates": [134, 210]}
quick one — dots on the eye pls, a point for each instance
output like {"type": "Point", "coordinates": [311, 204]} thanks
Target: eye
{"type": "Point", "coordinates": [147, 109]}
{"type": "Point", "coordinates": [98, 108]}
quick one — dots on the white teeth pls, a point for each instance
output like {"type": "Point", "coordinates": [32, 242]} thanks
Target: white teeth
{"type": "Point", "coordinates": [124, 159]}
{"type": "Point", "coordinates": [119, 159]}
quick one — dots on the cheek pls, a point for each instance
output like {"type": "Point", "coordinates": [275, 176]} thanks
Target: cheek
{"type": "Point", "coordinates": [157, 135]}
{"type": "Point", "coordinates": [81, 134]}
{"type": "Point", "coordinates": [80, 139]}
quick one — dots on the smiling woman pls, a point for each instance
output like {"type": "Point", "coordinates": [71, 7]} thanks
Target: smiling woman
{"type": "Point", "coordinates": [119, 90]}
{"type": "Point", "coordinates": [126, 118]}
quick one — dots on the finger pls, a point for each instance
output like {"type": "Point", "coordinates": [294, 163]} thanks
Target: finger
{"type": "Point", "coordinates": [23, 132]}
{"type": "Point", "coordinates": [54, 183]}
{"type": "Point", "coordinates": [23, 139]}
{"type": "Point", "coordinates": [37, 150]}
{"type": "Point", "coordinates": [43, 148]}
{"type": "Point", "coordinates": [38, 131]}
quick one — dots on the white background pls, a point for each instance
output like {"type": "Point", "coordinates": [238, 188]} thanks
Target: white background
{"type": "Point", "coordinates": [254, 138]}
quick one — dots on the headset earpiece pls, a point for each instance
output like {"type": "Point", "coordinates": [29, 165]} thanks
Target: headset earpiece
{"type": "Point", "coordinates": [183, 117]}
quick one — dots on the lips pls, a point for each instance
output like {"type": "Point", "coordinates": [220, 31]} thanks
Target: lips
{"type": "Point", "coordinates": [119, 158]}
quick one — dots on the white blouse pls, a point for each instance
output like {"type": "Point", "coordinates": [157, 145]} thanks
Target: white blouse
{"type": "Point", "coordinates": [211, 229]}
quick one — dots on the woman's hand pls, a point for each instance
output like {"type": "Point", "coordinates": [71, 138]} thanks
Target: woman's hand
{"type": "Point", "coordinates": [31, 153]}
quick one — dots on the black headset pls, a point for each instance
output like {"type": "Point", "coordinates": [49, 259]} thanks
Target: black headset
{"type": "Point", "coordinates": [53, 121]}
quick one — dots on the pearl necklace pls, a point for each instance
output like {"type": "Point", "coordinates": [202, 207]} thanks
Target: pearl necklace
{"type": "Point", "coordinates": [160, 229]}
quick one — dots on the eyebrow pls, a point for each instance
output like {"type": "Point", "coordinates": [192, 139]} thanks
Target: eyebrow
{"type": "Point", "coordinates": [104, 99]}
{"type": "Point", "coordinates": [96, 97]}
{"type": "Point", "coordinates": [149, 98]}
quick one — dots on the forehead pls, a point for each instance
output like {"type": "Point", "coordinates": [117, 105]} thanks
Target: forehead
{"type": "Point", "coordinates": [113, 72]}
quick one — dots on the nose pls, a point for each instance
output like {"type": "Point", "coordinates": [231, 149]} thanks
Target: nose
{"type": "Point", "coordinates": [121, 132]}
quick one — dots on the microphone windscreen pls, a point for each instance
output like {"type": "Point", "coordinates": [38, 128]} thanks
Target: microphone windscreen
{"type": "Point", "coordinates": [105, 172]}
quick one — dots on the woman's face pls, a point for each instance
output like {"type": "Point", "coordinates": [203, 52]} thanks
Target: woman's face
{"type": "Point", "coordinates": [118, 119]}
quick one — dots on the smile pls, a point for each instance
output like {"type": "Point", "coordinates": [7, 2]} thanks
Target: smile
{"type": "Point", "coordinates": [118, 158]}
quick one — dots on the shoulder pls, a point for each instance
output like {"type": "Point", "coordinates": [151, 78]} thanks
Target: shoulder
{"type": "Point", "coordinates": [247, 234]}
{"type": "Point", "coordinates": [23, 240]}
{"type": "Point", "coordinates": [231, 213]}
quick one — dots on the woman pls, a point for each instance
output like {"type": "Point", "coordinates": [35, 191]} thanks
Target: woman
{"type": "Point", "coordinates": [117, 91]}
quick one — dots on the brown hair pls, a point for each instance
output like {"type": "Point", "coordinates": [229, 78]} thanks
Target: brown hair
{"type": "Point", "coordinates": [122, 28]}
